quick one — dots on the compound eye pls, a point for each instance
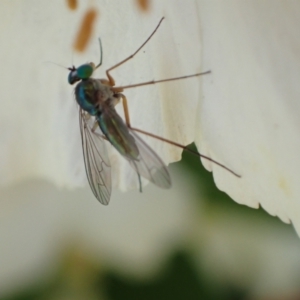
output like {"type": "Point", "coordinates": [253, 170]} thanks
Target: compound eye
{"type": "Point", "coordinates": [73, 77]}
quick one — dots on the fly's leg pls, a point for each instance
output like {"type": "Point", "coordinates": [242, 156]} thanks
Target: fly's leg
{"type": "Point", "coordinates": [159, 81]}
{"type": "Point", "coordinates": [125, 108]}
{"type": "Point", "coordinates": [105, 81]}
{"type": "Point", "coordinates": [111, 83]}
{"type": "Point", "coordinates": [111, 80]}
{"type": "Point", "coordinates": [127, 120]}
{"type": "Point", "coordinates": [139, 178]}
{"type": "Point", "coordinates": [186, 148]}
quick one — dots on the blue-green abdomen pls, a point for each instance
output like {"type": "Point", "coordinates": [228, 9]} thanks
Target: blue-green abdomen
{"type": "Point", "coordinates": [118, 134]}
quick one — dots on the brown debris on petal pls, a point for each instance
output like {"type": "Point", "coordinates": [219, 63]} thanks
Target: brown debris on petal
{"type": "Point", "coordinates": [72, 4]}
{"type": "Point", "coordinates": [85, 30]}
{"type": "Point", "coordinates": [143, 5]}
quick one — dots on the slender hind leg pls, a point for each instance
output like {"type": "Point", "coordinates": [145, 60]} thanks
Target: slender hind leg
{"type": "Point", "coordinates": [186, 148]}
{"type": "Point", "coordinates": [127, 120]}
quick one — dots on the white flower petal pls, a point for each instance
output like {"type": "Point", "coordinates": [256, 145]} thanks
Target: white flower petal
{"type": "Point", "coordinates": [249, 118]}
{"type": "Point", "coordinates": [39, 118]}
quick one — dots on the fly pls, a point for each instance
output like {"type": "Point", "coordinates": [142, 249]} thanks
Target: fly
{"type": "Point", "coordinates": [97, 99]}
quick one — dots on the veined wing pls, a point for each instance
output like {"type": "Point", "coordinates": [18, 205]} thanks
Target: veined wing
{"type": "Point", "coordinates": [149, 164]}
{"type": "Point", "coordinates": [140, 156]}
{"type": "Point", "coordinates": [96, 161]}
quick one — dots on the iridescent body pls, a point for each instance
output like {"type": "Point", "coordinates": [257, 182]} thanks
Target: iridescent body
{"type": "Point", "coordinates": [97, 98]}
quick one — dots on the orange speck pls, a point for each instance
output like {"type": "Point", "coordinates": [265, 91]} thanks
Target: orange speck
{"type": "Point", "coordinates": [72, 4]}
{"type": "Point", "coordinates": [85, 30]}
{"type": "Point", "coordinates": [143, 4]}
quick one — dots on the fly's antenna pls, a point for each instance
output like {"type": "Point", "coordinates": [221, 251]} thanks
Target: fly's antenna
{"type": "Point", "coordinates": [72, 61]}
{"type": "Point", "coordinates": [51, 62]}
{"type": "Point", "coordinates": [101, 52]}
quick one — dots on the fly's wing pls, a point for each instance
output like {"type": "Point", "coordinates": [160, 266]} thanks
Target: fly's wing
{"type": "Point", "coordinates": [96, 161]}
{"type": "Point", "coordinates": [140, 156]}
{"type": "Point", "coordinates": [149, 164]}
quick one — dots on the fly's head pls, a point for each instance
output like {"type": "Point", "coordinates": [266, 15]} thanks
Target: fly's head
{"type": "Point", "coordinates": [83, 72]}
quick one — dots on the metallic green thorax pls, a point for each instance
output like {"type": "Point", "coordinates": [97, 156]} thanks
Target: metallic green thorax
{"type": "Point", "coordinates": [98, 99]}
{"type": "Point", "coordinates": [86, 95]}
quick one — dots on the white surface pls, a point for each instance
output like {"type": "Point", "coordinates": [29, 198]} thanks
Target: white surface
{"type": "Point", "coordinates": [39, 119]}
{"type": "Point", "coordinates": [250, 115]}
{"type": "Point", "coordinates": [248, 118]}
